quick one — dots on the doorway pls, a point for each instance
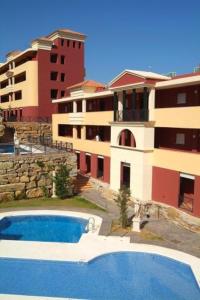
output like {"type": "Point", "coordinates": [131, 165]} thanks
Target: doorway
{"type": "Point", "coordinates": [125, 174]}
{"type": "Point", "coordinates": [186, 196]}
{"type": "Point", "coordinates": [100, 168]}
{"type": "Point", "coordinates": [78, 160]}
{"type": "Point", "coordinates": [88, 163]}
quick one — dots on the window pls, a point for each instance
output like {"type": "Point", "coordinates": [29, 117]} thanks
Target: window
{"type": "Point", "coordinates": [4, 84]}
{"type": "Point", "coordinates": [74, 43]}
{"type": "Point", "coordinates": [126, 138]}
{"type": "Point", "coordinates": [54, 94]}
{"type": "Point", "coordinates": [5, 98]}
{"type": "Point", "coordinates": [62, 77]}
{"type": "Point", "coordinates": [20, 77]}
{"type": "Point", "coordinates": [62, 42]}
{"type": "Point", "coordinates": [181, 98]}
{"type": "Point", "coordinates": [68, 43]}
{"type": "Point", "coordinates": [54, 75]}
{"type": "Point", "coordinates": [62, 94]}
{"type": "Point", "coordinates": [53, 58]}
{"type": "Point", "coordinates": [65, 130]}
{"type": "Point", "coordinates": [62, 59]}
{"type": "Point", "coordinates": [18, 95]}
{"type": "Point", "coordinates": [180, 139]}
{"type": "Point", "coordinates": [78, 132]}
{"type": "Point", "coordinates": [79, 45]}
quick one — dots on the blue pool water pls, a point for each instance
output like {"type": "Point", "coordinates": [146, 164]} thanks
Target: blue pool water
{"type": "Point", "coordinates": [42, 228]}
{"type": "Point", "coordinates": [122, 275]}
{"type": "Point", "coordinates": [6, 149]}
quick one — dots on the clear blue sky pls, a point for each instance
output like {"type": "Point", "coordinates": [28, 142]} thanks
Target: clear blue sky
{"type": "Point", "coordinates": [157, 35]}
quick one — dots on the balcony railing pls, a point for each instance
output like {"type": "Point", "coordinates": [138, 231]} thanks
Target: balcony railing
{"type": "Point", "coordinates": [134, 115]}
{"type": "Point", "coordinates": [28, 119]}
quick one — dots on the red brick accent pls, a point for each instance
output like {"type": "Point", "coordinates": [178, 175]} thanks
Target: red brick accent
{"type": "Point", "coordinates": [83, 167]}
{"type": "Point", "coordinates": [165, 186]}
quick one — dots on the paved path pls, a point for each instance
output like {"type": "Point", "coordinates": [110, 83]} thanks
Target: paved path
{"type": "Point", "coordinates": [166, 233]}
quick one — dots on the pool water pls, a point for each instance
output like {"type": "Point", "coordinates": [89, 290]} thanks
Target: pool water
{"type": "Point", "coordinates": [6, 148]}
{"type": "Point", "coordinates": [42, 228]}
{"type": "Point", "coordinates": [122, 275]}
{"type": "Point", "coordinates": [10, 149]}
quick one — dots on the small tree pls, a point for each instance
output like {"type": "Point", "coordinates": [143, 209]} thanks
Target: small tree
{"type": "Point", "coordinates": [122, 201]}
{"type": "Point", "coordinates": [63, 182]}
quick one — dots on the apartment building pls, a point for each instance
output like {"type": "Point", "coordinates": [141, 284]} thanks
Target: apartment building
{"type": "Point", "coordinates": [142, 131]}
{"type": "Point", "coordinates": [30, 79]}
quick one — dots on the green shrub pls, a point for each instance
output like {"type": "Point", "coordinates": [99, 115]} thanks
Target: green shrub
{"type": "Point", "coordinates": [62, 181]}
{"type": "Point", "coordinates": [40, 164]}
{"type": "Point", "coordinates": [122, 201]}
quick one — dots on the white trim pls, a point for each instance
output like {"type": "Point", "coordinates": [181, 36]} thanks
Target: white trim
{"type": "Point", "coordinates": [178, 82]}
{"type": "Point", "coordinates": [84, 96]}
{"type": "Point", "coordinates": [131, 86]}
{"type": "Point", "coordinates": [140, 74]}
{"type": "Point", "coordinates": [100, 156]}
{"type": "Point", "coordinates": [184, 175]}
{"type": "Point", "coordinates": [120, 75]}
{"type": "Point", "coordinates": [89, 247]}
{"type": "Point", "coordinates": [16, 56]}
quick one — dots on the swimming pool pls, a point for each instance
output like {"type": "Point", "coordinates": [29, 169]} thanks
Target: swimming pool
{"type": "Point", "coordinates": [10, 149]}
{"type": "Point", "coordinates": [120, 275]}
{"type": "Point", "coordinates": [42, 228]}
{"type": "Point", "coordinates": [6, 148]}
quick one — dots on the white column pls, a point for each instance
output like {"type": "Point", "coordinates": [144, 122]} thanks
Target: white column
{"type": "Point", "coordinates": [54, 186]}
{"type": "Point", "coordinates": [83, 132]}
{"type": "Point", "coordinates": [83, 105]}
{"type": "Point", "coordinates": [74, 107]}
{"type": "Point", "coordinates": [152, 104]}
{"type": "Point", "coordinates": [75, 132]}
{"type": "Point", "coordinates": [120, 101]}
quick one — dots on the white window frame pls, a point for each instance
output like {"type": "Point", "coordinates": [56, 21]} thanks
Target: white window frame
{"type": "Point", "coordinates": [181, 98]}
{"type": "Point", "coordinates": [180, 139]}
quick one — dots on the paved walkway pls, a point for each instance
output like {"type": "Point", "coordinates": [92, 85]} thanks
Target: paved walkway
{"type": "Point", "coordinates": [161, 232]}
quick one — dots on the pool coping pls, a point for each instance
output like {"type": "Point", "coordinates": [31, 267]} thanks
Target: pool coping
{"type": "Point", "coordinates": [90, 246]}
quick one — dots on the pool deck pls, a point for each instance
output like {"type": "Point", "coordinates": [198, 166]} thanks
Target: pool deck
{"type": "Point", "coordinates": [91, 245]}
{"type": "Point", "coordinates": [103, 240]}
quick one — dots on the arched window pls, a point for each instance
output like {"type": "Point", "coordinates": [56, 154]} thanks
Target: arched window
{"type": "Point", "coordinates": [126, 138]}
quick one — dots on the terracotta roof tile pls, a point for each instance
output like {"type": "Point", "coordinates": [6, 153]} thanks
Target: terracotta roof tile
{"type": "Point", "coordinates": [87, 83]}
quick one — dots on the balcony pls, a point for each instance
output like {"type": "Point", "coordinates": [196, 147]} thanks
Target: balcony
{"type": "Point", "coordinates": [76, 118]}
{"type": "Point", "coordinates": [134, 115]}
{"type": "Point", "coordinates": [87, 118]}
{"type": "Point", "coordinates": [185, 162]}
{"type": "Point", "coordinates": [179, 117]}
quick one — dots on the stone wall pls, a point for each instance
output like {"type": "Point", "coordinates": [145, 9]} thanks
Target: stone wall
{"type": "Point", "coordinates": [29, 176]}
{"type": "Point", "coordinates": [33, 129]}
{"type": "Point", "coordinates": [2, 128]}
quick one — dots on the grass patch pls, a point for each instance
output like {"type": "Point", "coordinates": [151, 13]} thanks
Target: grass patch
{"type": "Point", "coordinates": [73, 202]}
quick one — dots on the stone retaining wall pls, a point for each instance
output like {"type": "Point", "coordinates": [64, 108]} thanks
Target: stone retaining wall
{"type": "Point", "coordinates": [29, 176]}
{"type": "Point", "coordinates": [33, 129]}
